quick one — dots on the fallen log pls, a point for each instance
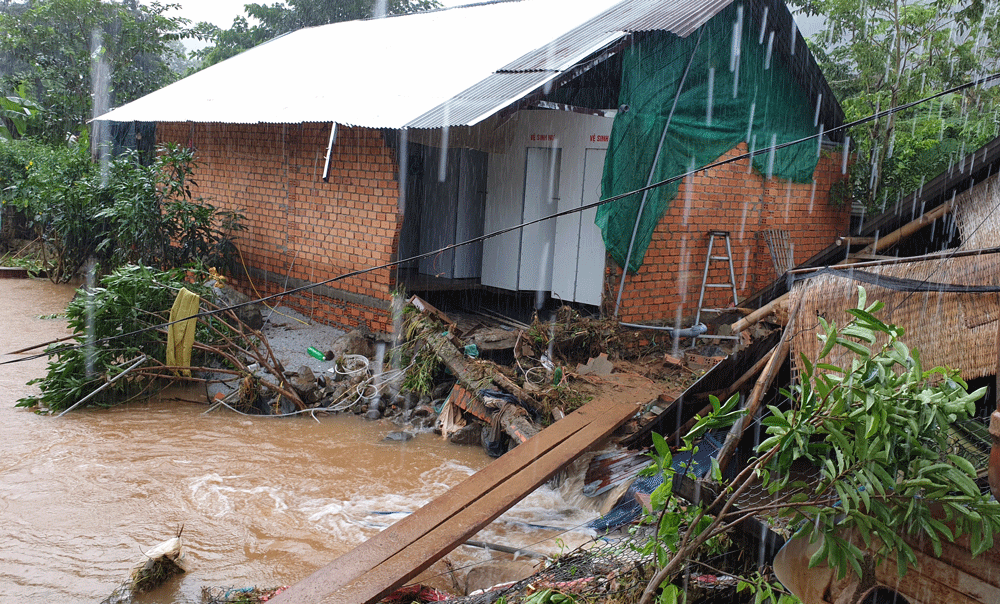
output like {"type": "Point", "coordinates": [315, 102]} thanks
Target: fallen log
{"type": "Point", "coordinates": [475, 376]}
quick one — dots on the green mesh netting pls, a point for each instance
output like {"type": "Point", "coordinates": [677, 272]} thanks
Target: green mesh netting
{"type": "Point", "coordinates": [729, 95]}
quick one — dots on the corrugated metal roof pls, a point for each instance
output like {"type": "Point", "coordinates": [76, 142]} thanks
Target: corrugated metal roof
{"type": "Point", "coordinates": [376, 73]}
{"type": "Point", "coordinates": [450, 67]}
{"type": "Point", "coordinates": [482, 100]}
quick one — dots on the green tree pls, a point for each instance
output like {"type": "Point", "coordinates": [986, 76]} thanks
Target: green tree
{"type": "Point", "coordinates": [264, 22]}
{"type": "Point", "coordinates": [77, 55]}
{"type": "Point", "coordinates": [879, 54]}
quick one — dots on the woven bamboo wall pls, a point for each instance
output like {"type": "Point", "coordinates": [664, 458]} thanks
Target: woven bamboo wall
{"type": "Point", "coordinates": [977, 214]}
{"type": "Point", "coordinates": [956, 330]}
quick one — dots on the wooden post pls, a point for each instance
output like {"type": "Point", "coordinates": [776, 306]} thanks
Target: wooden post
{"type": "Point", "coordinates": [757, 394]}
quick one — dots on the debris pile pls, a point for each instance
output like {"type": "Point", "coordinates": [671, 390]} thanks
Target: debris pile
{"type": "Point", "coordinates": [482, 379]}
{"type": "Point", "coordinates": [160, 563]}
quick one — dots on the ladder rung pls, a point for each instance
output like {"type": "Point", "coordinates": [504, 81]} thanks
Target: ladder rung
{"type": "Point", "coordinates": [717, 309]}
{"type": "Point", "coordinates": [719, 337]}
{"type": "Point", "coordinates": [720, 258]}
{"type": "Point", "coordinates": [718, 285]}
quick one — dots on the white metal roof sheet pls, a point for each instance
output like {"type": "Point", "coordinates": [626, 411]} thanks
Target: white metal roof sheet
{"type": "Point", "coordinates": [381, 73]}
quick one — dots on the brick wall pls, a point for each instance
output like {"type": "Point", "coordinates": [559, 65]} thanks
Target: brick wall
{"type": "Point", "coordinates": [300, 229]}
{"type": "Point", "coordinates": [735, 199]}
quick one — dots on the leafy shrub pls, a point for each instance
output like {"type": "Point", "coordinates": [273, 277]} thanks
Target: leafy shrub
{"type": "Point", "coordinates": [133, 214]}
{"type": "Point", "coordinates": [876, 430]}
{"type": "Point", "coordinates": [129, 299]}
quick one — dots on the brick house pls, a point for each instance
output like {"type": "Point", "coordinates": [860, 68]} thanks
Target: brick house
{"type": "Point", "coordinates": [463, 122]}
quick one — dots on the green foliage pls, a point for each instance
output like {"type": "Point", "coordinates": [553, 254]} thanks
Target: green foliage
{"type": "Point", "coordinates": [135, 214]}
{"type": "Point", "coordinates": [671, 516]}
{"type": "Point", "coordinates": [16, 112]}
{"type": "Point", "coordinates": [32, 265]}
{"type": "Point", "coordinates": [155, 219]}
{"type": "Point", "coordinates": [765, 591]}
{"type": "Point", "coordinates": [57, 190]}
{"type": "Point", "coordinates": [878, 54]}
{"type": "Point", "coordinates": [420, 377]}
{"type": "Point", "coordinates": [549, 596]}
{"type": "Point", "coordinates": [129, 299]}
{"type": "Point", "coordinates": [270, 21]}
{"type": "Point", "coordinates": [877, 430]}
{"type": "Point", "coordinates": [62, 49]}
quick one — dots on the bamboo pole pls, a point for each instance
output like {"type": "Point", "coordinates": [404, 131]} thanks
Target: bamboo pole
{"type": "Point", "coordinates": [993, 474]}
{"type": "Point", "coordinates": [137, 362]}
{"type": "Point", "coordinates": [757, 394]}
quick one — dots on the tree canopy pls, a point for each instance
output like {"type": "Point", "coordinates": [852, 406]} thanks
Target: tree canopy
{"type": "Point", "coordinates": [879, 54]}
{"type": "Point", "coordinates": [69, 54]}
{"type": "Point", "coordinates": [263, 22]}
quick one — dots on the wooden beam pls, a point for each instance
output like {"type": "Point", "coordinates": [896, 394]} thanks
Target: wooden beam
{"type": "Point", "coordinates": [849, 241]}
{"type": "Point", "coordinates": [757, 394]}
{"type": "Point", "coordinates": [406, 548]}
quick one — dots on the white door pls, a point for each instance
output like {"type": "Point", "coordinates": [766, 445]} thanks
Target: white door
{"type": "Point", "coordinates": [578, 274]}
{"type": "Point", "coordinates": [541, 198]}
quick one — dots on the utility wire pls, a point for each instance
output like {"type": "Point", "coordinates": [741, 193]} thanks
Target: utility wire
{"type": "Point", "coordinates": [749, 155]}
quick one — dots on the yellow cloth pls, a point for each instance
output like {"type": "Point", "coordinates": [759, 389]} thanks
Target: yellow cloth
{"type": "Point", "coordinates": [180, 336]}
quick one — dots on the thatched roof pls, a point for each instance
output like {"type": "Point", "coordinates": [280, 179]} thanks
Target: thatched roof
{"type": "Point", "coordinates": [958, 330]}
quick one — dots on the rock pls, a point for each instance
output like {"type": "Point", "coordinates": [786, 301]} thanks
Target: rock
{"type": "Point", "coordinates": [467, 435]}
{"type": "Point", "coordinates": [353, 342]}
{"type": "Point", "coordinates": [373, 414]}
{"type": "Point", "coordinates": [249, 314]}
{"type": "Point", "coordinates": [304, 383]}
{"type": "Point", "coordinates": [423, 411]}
{"type": "Point", "coordinates": [442, 390]}
{"type": "Point", "coordinates": [398, 436]}
{"type": "Point", "coordinates": [422, 423]}
{"type": "Point", "coordinates": [287, 406]}
{"type": "Point", "coordinates": [494, 338]}
{"type": "Point", "coordinates": [599, 365]}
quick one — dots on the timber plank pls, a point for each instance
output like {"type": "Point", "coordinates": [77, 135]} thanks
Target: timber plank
{"type": "Point", "coordinates": [435, 544]}
{"type": "Point", "coordinates": [352, 565]}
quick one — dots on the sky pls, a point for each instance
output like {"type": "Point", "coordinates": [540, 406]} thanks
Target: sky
{"type": "Point", "coordinates": [222, 12]}
{"type": "Point", "coordinates": [219, 12]}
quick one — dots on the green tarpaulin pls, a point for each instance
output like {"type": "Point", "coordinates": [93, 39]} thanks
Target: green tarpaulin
{"type": "Point", "coordinates": [735, 90]}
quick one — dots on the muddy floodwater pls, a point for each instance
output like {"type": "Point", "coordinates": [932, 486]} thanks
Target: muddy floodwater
{"type": "Point", "coordinates": [263, 502]}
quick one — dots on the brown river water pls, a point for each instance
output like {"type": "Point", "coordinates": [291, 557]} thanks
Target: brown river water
{"type": "Point", "coordinates": [263, 502]}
